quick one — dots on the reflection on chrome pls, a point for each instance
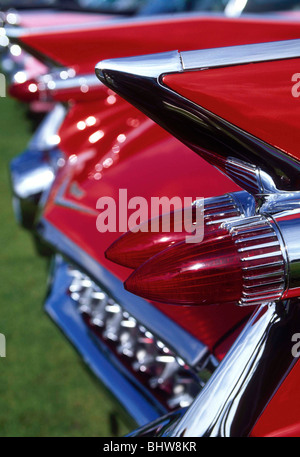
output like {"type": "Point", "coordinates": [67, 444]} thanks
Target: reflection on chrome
{"type": "Point", "coordinates": [235, 8]}
{"type": "Point", "coordinates": [47, 135]}
{"type": "Point", "coordinates": [32, 172]}
{"type": "Point", "coordinates": [242, 385]}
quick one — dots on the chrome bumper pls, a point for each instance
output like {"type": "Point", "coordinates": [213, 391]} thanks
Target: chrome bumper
{"type": "Point", "coordinates": [31, 173]}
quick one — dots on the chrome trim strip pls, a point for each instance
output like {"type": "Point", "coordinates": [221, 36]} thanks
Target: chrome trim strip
{"type": "Point", "coordinates": [181, 342]}
{"type": "Point", "coordinates": [206, 59]}
{"type": "Point", "coordinates": [155, 65]}
{"type": "Point", "coordinates": [78, 81]}
{"type": "Point", "coordinates": [55, 82]}
{"type": "Point", "coordinates": [134, 397]}
{"type": "Point", "coordinates": [61, 200]}
{"type": "Point", "coordinates": [240, 388]}
{"type": "Point", "coordinates": [148, 66]}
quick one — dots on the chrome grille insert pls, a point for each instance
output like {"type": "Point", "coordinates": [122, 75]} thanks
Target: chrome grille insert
{"type": "Point", "coordinates": [167, 375]}
{"type": "Point", "coordinates": [262, 260]}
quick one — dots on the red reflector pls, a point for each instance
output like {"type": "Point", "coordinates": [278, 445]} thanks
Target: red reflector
{"type": "Point", "coordinates": [25, 92]}
{"type": "Point", "coordinates": [134, 248]}
{"type": "Point", "coordinates": [192, 274]}
{"type": "Point", "coordinates": [241, 262]}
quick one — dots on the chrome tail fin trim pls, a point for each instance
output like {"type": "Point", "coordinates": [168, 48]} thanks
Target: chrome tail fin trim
{"type": "Point", "coordinates": [140, 81]}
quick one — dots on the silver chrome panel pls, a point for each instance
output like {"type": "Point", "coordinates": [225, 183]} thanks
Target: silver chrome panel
{"type": "Point", "coordinates": [245, 202]}
{"type": "Point", "coordinates": [32, 174]}
{"type": "Point", "coordinates": [155, 65]}
{"type": "Point", "coordinates": [244, 382]}
{"type": "Point", "coordinates": [149, 66]}
{"type": "Point", "coordinates": [239, 55]}
{"type": "Point", "coordinates": [262, 257]}
{"type": "Point", "coordinates": [227, 207]}
{"type": "Point", "coordinates": [66, 79]}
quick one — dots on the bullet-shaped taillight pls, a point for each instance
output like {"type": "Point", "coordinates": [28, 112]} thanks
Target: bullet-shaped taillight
{"type": "Point", "coordinates": [135, 247]}
{"type": "Point", "coordinates": [241, 262]}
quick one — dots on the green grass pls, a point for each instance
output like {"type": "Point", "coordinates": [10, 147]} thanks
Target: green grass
{"type": "Point", "coordinates": [45, 388]}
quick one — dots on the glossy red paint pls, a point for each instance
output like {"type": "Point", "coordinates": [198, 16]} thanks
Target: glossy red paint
{"type": "Point", "coordinates": [145, 36]}
{"type": "Point", "coordinates": [97, 125]}
{"type": "Point", "coordinates": [262, 103]}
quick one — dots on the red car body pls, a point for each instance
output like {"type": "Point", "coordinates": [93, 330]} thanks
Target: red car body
{"type": "Point", "coordinates": [250, 107]}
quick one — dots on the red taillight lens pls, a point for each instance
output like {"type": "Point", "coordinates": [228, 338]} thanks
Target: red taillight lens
{"type": "Point", "coordinates": [242, 263]}
{"type": "Point", "coordinates": [135, 247]}
{"type": "Point", "coordinates": [192, 274]}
